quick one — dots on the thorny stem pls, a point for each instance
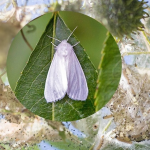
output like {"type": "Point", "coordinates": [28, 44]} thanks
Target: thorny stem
{"type": "Point", "coordinates": [26, 40]}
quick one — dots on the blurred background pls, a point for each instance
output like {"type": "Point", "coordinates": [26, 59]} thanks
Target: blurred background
{"type": "Point", "coordinates": [97, 131]}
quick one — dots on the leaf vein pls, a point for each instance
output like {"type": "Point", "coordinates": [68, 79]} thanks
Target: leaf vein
{"type": "Point", "coordinates": [34, 81]}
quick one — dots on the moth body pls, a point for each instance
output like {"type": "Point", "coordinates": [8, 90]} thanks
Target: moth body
{"type": "Point", "coordinates": [65, 75]}
{"type": "Point", "coordinates": [64, 48]}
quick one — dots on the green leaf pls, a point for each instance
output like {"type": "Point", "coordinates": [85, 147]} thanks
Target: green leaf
{"type": "Point", "coordinates": [109, 73]}
{"type": "Point", "coordinates": [7, 146]}
{"type": "Point", "coordinates": [142, 146]}
{"type": "Point", "coordinates": [113, 147]}
{"type": "Point", "coordinates": [30, 87]}
{"type": "Point", "coordinates": [123, 146]}
{"type": "Point", "coordinates": [80, 144]}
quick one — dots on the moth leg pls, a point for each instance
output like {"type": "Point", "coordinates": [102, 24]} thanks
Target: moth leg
{"type": "Point", "coordinates": [53, 44]}
{"type": "Point", "coordinates": [76, 44]}
{"type": "Point", "coordinates": [71, 33]}
{"type": "Point", "coordinates": [53, 38]}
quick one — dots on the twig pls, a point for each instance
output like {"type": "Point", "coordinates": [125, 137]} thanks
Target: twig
{"type": "Point", "coordinates": [26, 40]}
{"type": "Point", "coordinates": [14, 2]}
{"type": "Point", "coordinates": [135, 53]}
{"type": "Point", "coordinates": [107, 126]}
{"type": "Point", "coordinates": [146, 40]}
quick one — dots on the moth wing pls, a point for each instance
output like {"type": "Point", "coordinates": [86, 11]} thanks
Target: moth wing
{"type": "Point", "coordinates": [77, 84]}
{"type": "Point", "coordinates": [56, 81]}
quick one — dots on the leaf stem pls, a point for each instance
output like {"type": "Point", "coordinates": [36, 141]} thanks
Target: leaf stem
{"type": "Point", "coordinates": [52, 54]}
{"type": "Point", "coordinates": [54, 32]}
{"type": "Point", "coordinates": [26, 41]}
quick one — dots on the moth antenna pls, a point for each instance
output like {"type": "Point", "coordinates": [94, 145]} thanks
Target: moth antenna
{"type": "Point", "coordinates": [53, 38]}
{"type": "Point", "coordinates": [71, 33]}
{"type": "Point", "coordinates": [53, 44]}
{"type": "Point", "coordinates": [76, 44]}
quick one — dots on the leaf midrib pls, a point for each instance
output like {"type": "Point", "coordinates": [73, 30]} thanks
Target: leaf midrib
{"type": "Point", "coordinates": [52, 52]}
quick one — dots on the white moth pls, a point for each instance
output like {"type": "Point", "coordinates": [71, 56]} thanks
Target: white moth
{"type": "Point", "coordinates": [65, 75]}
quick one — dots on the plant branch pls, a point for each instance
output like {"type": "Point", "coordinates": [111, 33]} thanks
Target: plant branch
{"type": "Point", "coordinates": [147, 42]}
{"type": "Point", "coordinates": [107, 126]}
{"type": "Point", "coordinates": [135, 53]}
{"type": "Point", "coordinates": [14, 2]}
